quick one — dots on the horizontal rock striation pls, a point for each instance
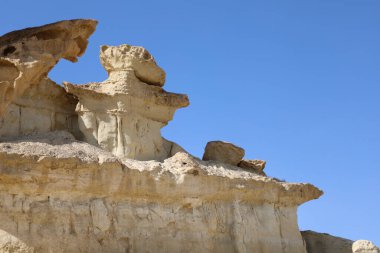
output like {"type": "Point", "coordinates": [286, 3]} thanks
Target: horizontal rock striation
{"type": "Point", "coordinates": [55, 187]}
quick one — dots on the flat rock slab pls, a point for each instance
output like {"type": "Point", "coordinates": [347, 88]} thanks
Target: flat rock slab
{"type": "Point", "coordinates": [224, 152]}
{"type": "Point", "coordinates": [256, 166]}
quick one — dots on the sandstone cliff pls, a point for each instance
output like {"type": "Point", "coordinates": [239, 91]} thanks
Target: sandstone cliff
{"type": "Point", "coordinates": [85, 169]}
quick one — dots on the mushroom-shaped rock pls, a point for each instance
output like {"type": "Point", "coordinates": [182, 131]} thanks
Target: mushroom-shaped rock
{"type": "Point", "coordinates": [126, 57]}
{"type": "Point", "coordinates": [125, 113]}
{"type": "Point", "coordinates": [26, 56]}
{"type": "Point", "coordinates": [256, 166]}
{"type": "Point", "coordinates": [224, 152]}
{"type": "Point", "coordinates": [364, 246]}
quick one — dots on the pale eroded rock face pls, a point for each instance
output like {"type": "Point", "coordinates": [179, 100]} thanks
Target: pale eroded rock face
{"type": "Point", "coordinates": [364, 246]}
{"type": "Point", "coordinates": [223, 152]}
{"type": "Point", "coordinates": [125, 113]}
{"type": "Point", "coordinates": [59, 195]}
{"type": "Point", "coordinates": [42, 107]}
{"type": "Point", "coordinates": [26, 56]}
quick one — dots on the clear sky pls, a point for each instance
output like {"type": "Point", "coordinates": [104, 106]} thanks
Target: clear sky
{"type": "Point", "coordinates": [296, 83]}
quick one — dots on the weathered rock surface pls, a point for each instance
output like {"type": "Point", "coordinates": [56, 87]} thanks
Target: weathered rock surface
{"type": "Point", "coordinates": [325, 243]}
{"type": "Point", "coordinates": [42, 107]}
{"type": "Point", "coordinates": [224, 152]}
{"type": "Point", "coordinates": [254, 165]}
{"type": "Point", "coordinates": [132, 111]}
{"type": "Point", "coordinates": [60, 195]}
{"type": "Point", "coordinates": [26, 56]}
{"type": "Point", "coordinates": [364, 246]}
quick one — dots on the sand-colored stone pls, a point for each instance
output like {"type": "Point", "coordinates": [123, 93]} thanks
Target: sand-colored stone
{"type": "Point", "coordinates": [364, 246]}
{"type": "Point", "coordinates": [26, 56]}
{"type": "Point", "coordinates": [60, 195]}
{"type": "Point", "coordinates": [138, 59]}
{"type": "Point", "coordinates": [223, 152]}
{"type": "Point", "coordinates": [257, 166]}
{"type": "Point", "coordinates": [124, 114]}
{"type": "Point", "coordinates": [42, 107]}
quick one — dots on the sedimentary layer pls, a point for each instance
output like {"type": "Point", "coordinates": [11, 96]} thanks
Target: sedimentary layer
{"type": "Point", "coordinates": [60, 195]}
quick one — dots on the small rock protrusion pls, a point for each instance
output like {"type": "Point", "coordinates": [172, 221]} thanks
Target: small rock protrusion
{"type": "Point", "coordinates": [363, 246]}
{"type": "Point", "coordinates": [256, 166]}
{"type": "Point", "coordinates": [224, 152]}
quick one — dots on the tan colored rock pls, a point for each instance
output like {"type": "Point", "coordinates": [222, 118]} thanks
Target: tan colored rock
{"type": "Point", "coordinates": [224, 152]}
{"type": "Point", "coordinates": [325, 243]}
{"type": "Point", "coordinates": [255, 165]}
{"type": "Point", "coordinates": [138, 59]}
{"type": "Point", "coordinates": [26, 56]}
{"type": "Point", "coordinates": [364, 246]}
{"type": "Point", "coordinates": [42, 107]}
{"type": "Point", "coordinates": [124, 114]}
{"type": "Point", "coordinates": [12, 244]}
{"type": "Point", "coordinates": [60, 195]}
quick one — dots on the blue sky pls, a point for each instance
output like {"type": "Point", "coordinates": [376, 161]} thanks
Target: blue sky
{"type": "Point", "coordinates": [296, 83]}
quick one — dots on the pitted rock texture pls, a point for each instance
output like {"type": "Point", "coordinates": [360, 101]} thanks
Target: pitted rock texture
{"type": "Point", "coordinates": [124, 115]}
{"type": "Point", "coordinates": [138, 59]}
{"type": "Point", "coordinates": [55, 187]}
{"type": "Point", "coordinates": [26, 56]}
{"type": "Point", "coordinates": [364, 246]}
{"type": "Point", "coordinates": [223, 152]}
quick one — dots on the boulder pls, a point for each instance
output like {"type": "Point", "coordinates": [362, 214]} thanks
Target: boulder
{"type": "Point", "coordinates": [224, 152]}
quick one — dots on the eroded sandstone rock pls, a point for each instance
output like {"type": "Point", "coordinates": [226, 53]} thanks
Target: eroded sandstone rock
{"type": "Point", "coordinates": [254, 165]}
{"type": "Point", "coordinates": [223, 152]}
{"type": "Point", "coordinates": [364, 246]}
{"type": "Point", "coordinates": [125, 113]}
{"type": "Point", "coordinates": [60, 195]}
{"type": "Point", "coordinates": [42, 107]}
{"type": "Point", "coordinates": [12, 244]}
{"type": "Point", "coordinates": [26, 56]}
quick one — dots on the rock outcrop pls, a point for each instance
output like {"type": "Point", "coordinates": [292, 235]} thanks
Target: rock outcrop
{"type": "Point", "coordinates": [364, 246]}
{"type": "Point", "coordinates": [26, 56]}
{"type": "Point", "coordinates": [133, 106]}
{"type": "Point", "coordinates": [89, 187]}
{"type": "Point", "coordinates": [42, 107]}
{"type": "Point", "coordinates": [60, 195]}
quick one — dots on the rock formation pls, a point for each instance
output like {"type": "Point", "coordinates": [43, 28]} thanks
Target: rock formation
{"type": "Point", "coordinates": [364, 246]}
{"type": "Point", "coordinates": [26, 56]}
{"type": "Point", "coordinates": [89, 187]}
{"type": "Point", "coordinates": [133, 105]}
{"type": "Point", "coordinates": [42, 107]}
